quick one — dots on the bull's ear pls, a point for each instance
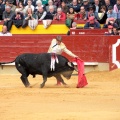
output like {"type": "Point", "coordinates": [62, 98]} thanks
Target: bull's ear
{"type": "Point", "coordinates": [70, 64]}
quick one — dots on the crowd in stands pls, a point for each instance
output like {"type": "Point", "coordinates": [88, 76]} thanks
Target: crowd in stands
{"type": "Point", "coordinates": [24, 13]}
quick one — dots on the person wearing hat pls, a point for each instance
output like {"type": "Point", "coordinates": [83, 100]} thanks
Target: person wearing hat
{"type": "Point", "coordinates": [110, 30]}
{"type": "Point", "coordinates": [13, 7]}
{"type": "Point", "coordinates": [58, 47]}
{"type": "Point", "coordinates": [92, 23]}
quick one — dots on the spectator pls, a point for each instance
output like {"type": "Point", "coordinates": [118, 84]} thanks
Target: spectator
{"type": "Point", "coordinates": [111, 13]}
{"type": "Point", "coordinates": [41, 13]}
{"type": "Point", "coordinates": [29, 2]}
{"type": "Point", "coordinates": [4, 31]}
{"type": "Point", "coordinates": [18, 19]}
{"type": "Point", "coordinates": [49, 17]}
{"type": "Point", "coordinates": [39, 4]}
{"type": "Point", "coordinates": [97, 5]}
{"type": "Point", "coordinates": [7, 17]}
{"type": "Point", "coordinates": [57, 3]}
{"type": "Point", "coordinates": [71, 14]}
{"type": "Point", "coordinates": [113, 2]}
{"type": "Point", "coordinates": [115, 32]}
{"type": "Point", "coordinates": [110, 21]}
{"type": "Point", "coordinates": [74, 25]}
{"type": "Point", "coordinates": [64, 7]}
{"type": "Point", "coordinates": [118, 30]}
{"type": "Point", "coordinates": [29, 20]}
{"type": "Point", "coordinates": [75, 6]}
{"type": "Point", "coordinates": [13, 7]}
{"type": "Point", "coordinates": [2, 9]}
{"type": "Point", "coordinates": [117, 10]}
{"type": "Point", "coordinates": [50, 3]}
{"type": "Point", "coordinates": [20, 8]}
{"type": "Point", "coordinates": [110, 30]}
{"type": "Point", "coordinates": [82, 15]}
{"type": "Point", "coordinates": [86, 4]}
{"type": "Point", "coordinates": [102, 15]}
{"type": "Point", "coordinates": [92, 23]}
{"type": "Point", "coordinates": [107, 4]}
{"type": "Point", "coordinates": [92, 12]}
{"type": "Point", "coordinates": [60, 15]}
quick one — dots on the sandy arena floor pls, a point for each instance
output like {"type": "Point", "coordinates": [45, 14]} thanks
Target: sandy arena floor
{"type": "Point", "coordinates": [99, 100]}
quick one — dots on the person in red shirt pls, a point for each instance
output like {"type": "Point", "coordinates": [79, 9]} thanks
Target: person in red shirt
{"type": "Point", "coordinates": [60, 15]}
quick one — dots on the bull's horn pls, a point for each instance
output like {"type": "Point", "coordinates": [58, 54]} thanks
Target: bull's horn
{"type": "Point", "coordinates": [69, 63]}
{"type": "Point", "coordinates": [76, 69]}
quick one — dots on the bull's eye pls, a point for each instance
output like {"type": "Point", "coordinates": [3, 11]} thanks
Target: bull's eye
{"type": "Point", "coordinates": [19, 65]}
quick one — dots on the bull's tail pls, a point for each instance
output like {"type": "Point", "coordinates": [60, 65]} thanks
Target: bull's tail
{"type": "Point", "coordinates": [2, 63]}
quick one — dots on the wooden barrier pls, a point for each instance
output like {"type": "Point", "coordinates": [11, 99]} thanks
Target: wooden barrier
{"type": "Point", "coordinates": [88, 31]}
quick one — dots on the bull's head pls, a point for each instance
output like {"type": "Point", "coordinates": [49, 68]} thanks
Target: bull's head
{"type": "Point", "coordinates": [71, 67]}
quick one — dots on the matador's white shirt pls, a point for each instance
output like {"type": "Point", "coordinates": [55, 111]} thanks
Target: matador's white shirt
{"type": "Point", "coordinates": [58, 49]}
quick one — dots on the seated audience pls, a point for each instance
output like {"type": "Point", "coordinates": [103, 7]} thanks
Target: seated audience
{"type": "Point", "coordinates": [18, 19]}
{"type": "Point", "coordinates": [118, 30]}
{"type": "Point", "coordinates": [92, 23]}
{"type": "Point", "coordinates": [64, 7]}
{"type": "Point", "coordinates": [117, 10]}
{"type": "Point", "coordinates": [110, 30]}
{"type": "Point", "coordinates": [20, 8]}
{"type": "Point", "coordinates": [30, 20]}
{"type": "Point", "coordinates": [110, 21]}
{"type": "Point", "coordinates": [57, 3]}
{"type": "Point", "coordinates": [82, 15]}
{"type": "Point", "coordinates": [102, 15]}
{"type": "Point", "coordinates": [7, 17]}
{"type": "Point", "coordinates": [75, 6]}
{"type": "Point", "coordinates": [2, 9]}
{"type": "Point", "coordinates": [91, 12]}
{"type": "Point", "coordinates": [60, 15]}
{"type": "Point", "coordinates": [111, 13]}
{"type": "Point", "coordinates": [50, 3]}
{"type": "Point", "coordinates": [86, 4]}
{"type": "Point", "coordinates": [41, 13]}
{"type": "Point", "coordinates": [39, 4]}
{"type": "Point", "coordinates": [49, 17]}
{"type": "Point", "coordinates": [71, 14]}
{"type": "Point", "coordinates": [4, 31]}
{"type": "Point", "coordinates": [29, 2]}
{"type": "Point", "coordinates": [13, 7]}
{"type": "Point", "coordinates": [115, 32]}
{"type": "Point", "coordinates": [107, 4]}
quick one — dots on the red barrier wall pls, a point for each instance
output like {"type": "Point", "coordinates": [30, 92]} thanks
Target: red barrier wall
{"type": "Point", "coordinates": [96, 48]}
{"type": "Point", "coordinates": [88, 48]}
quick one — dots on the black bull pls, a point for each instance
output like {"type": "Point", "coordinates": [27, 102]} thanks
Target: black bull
{"type": "Point", "coordinates": [33, 64]}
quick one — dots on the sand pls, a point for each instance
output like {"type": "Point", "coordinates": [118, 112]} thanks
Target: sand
{"type": "Point", "coordinates": [99, 100]}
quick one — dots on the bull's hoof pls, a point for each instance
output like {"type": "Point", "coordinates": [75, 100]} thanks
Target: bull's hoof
{"type": "Point", "coordinates": [64, 84]}
{"type": "Point", "coordinates": [27, 86]}
{"type": "Point", "coordinates": [42, 85]}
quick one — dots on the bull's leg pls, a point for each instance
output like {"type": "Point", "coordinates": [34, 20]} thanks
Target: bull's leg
{"type": "Point", "coordinates": [25, 81]}
{"type": "Point", "coordinates": [24, 75]}
{"type": "Point", "coordinates": [58, 77]}
{"type": "Point", "coordinates": [44, 81]}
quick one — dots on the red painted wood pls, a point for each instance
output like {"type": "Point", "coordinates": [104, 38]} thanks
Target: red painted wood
{"type": "Point", "coordinates": [88, 48]}
{"type": "Point", "coordinates": [87, 31]}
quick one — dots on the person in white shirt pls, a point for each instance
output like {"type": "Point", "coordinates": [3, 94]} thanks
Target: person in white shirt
{"type": "Point", "coordinates": [4, 31]}
{"type": "Point", "coordinates": [58, 47]}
